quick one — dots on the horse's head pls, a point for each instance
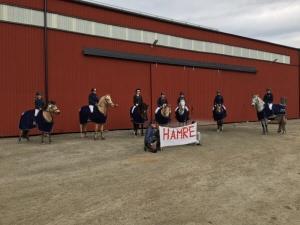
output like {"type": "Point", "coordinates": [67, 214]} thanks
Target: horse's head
{"type": "Point", "coordinates": [107, 100]}
{"type": "Point", "coordinates": [218, 108]}
{"type": "Point", "coordinates": [181, 106]}
{"type": "Point", "coordinates": [258, 103]}
{"type": "Point", "coordinates": [166, 110]}
{"type": "Point", "coordinates": [52, 108]}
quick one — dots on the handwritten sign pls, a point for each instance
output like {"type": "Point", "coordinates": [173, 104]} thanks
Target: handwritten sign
{"type": "Point", "coordinates": [172, 136]}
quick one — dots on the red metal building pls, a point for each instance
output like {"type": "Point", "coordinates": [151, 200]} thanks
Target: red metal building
{"type": "Point", "coordinates": [63, 48]}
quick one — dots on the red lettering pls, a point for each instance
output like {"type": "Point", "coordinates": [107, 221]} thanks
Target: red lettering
{"type": "Point", "coordinates": [192, 131]}
{"type": "Point", "coordinates": [179, 133]}
{"type": "Point", "coordinates": [173, 135]}
{"type": "Point", "coordinates": [185, 132]}
{"type": "Point", "coordinates": [166, 133]}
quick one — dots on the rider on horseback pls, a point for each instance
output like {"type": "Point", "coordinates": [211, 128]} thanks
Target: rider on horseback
{"type": "Point", "coordinates": [137, 99]}
{"type": "Point", "coordinates": [38, 103]}
{"type": "Point", "coordinates": [162, 100]}
{"type": "Point", "coordinates": [268, 99]}
{"type": "Point", "coordinates": [93, 99]}
{"type": "Point", "coordinates": [181, 97]}
{"type": "Point", "coordinates": [219, 109]}
{"type": "Point", "coordinates": [219, 98]}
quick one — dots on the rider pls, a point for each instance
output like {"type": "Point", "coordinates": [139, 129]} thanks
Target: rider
{"type": "Point", "coordinates": [268, 99]}
{"type": "Point", "coordinates": [181, 97]}
{"type": "Point", "coordinates": [93, 99]}
{"type": "Point", "coordinates": [219, 100]}
{"type": "Point", "coordinates": [38, 103]}
{"type": "Point", "coordinates": [161, 101]}
{"type": "Point", "coordinates": [137, 99]}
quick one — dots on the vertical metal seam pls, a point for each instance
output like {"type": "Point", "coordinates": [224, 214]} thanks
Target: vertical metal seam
{"type": "Point", "coordinates": [46, 52]}
{"type": "Point", "coordinates": [151, 93]}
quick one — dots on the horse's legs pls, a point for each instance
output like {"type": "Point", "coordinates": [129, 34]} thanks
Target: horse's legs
{"type": "Point", "coordinates": [266, 125]}
{"type": "Point", "coordinates": [221, 125]}
{"type": "Point", "coordinates": [263, 127]}
{"type": "Point", "coordinates": [101, 130]}
{"type": "Point", "coordinates": [42, 137]}
{"type": "Point", "coordinates": [49, 138]}
{"type": "Point", "coordinates": [135, 128]}
{"type": "Point", "coordinates": [96, 131]}
{"type": "Point", "coordinates": [81, 130]}
{"type": "Point", "coordinates": [284, 121]}
{"type": "Point", "coordinates": [20, 136]}
{"type": "Point", "coordinates": [142, 129]}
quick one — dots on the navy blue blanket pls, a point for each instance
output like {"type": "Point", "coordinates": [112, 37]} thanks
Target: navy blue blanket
{"type": "Point", "coordinates": [43, 125]}
{"type": "Point", "coordinates": [136, 116]}
{"type": "Point", "coordinates": [26, 120]}
{"type": "Point", "coordinates": [85, 115]}
{"type": "Point", "coordinates": [219, 115]}
{"type": "Point", "coordinates": [161, 120]}
{"type": "Point", "coordinates": [182, 118]}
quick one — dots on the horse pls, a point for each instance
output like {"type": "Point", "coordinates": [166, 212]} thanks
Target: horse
{"type": "Point", "coordinates": [163, 114]}
{"type": "Point", "coordinates": [99, 116]}
{"type": "Point", "coordinates": [263, 113]}
{"type": "Point", "coordinates": [182, 112]}
{"type": "Point", "coordinates": [44, 121]}
{"type": "Point", "coordinates": [138, 116]}
{"type": "Point", "coordinates": [219, 114]}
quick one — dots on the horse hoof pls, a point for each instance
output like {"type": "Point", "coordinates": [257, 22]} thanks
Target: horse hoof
{"type": "Point", "coordinates": [102, 138]}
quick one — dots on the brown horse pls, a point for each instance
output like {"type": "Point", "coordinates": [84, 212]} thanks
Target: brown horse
{"type": "Point", "coordinates": [44, 121]}
{"type": "Point", "coordinates": [99, 116]}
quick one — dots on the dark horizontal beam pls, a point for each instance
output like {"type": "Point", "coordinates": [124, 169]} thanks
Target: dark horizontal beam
{"type": "Point", "coordinates": [168, 61]}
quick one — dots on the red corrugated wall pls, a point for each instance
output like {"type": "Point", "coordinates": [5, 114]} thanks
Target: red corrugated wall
{"type": "Point", "coordinates": [21, 73]}
{"type": "Point", "coordinates": [34, 4]}
{"type": "Point", "coordinates": [72, 75]}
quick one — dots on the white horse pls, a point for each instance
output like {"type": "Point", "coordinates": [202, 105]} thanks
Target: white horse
{"type": "Point", "coordinates": [280, 116]}
{"type": "Point", "coordinates": [182, 112]}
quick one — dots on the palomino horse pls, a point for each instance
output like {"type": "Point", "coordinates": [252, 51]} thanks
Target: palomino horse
{"type": "Point", "coordinates": [219, 114]}
{"type": "Point", "coordinates": [44, 121]}
{"type": "Point", "coordinates": [262, 113]}
{"type": "Point", "coordinates": [182, 112]}
{"type": "Point", "coordinates": [139, 116]}
{"type": "Point", "coordinates": [99, 116]}
{"type": "Point", "coordinates": [163, 114]}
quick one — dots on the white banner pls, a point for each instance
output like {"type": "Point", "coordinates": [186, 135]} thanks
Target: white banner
{"type": "Point", "coordinates": [171, 136]}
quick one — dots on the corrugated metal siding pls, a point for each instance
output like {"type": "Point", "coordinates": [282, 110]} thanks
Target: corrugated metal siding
{"type": "Point", "coordinates": [21, 73]}
{"type": "Point", "coordinates": [34, 4]}
{"type": "Point", "coordinates": [72, 75]}
{"type": "Point", "coordinates": [132, 21]}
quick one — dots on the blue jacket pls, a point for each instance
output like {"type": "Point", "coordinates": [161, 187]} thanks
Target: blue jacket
{"type": "Point", "coordinates": [218, 100]}
{"type": "Point", "coordinates": [39, 103]}
{"type": "Point", "coordinates": [93, 99]}
{"type": "Point", "coordinates": [268, 98]}
{"type": "Point", "coordinates": [137, 100]}
{"type": "Point", "coordinates": [161, 101]}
